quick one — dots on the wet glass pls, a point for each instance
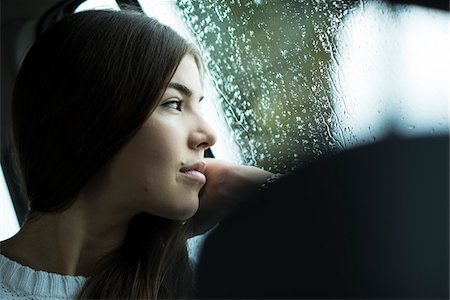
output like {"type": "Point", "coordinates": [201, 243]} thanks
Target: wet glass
{"type": "Point", "coordinates": [298, 80]}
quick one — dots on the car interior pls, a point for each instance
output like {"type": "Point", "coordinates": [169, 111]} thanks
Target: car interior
{"type": "Point", "coordinates": [356, 214]}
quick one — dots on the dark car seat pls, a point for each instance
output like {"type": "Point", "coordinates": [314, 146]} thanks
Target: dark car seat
{"type": "Point", "coordinates": [370, 222]}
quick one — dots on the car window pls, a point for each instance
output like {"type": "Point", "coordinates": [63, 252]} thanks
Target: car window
{"type": "Point", "coordinates": [301, 79]}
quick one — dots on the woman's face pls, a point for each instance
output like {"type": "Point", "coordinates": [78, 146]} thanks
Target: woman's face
{"type": "Point", "coordinates": [160, 171]}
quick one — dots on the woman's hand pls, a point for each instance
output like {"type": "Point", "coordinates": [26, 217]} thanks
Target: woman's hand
{"type": "Point", "coordinates": [226, 186]}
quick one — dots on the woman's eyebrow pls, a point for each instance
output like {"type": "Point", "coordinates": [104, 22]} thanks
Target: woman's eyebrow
{"type": "Point", "coordinates": [181, 88]}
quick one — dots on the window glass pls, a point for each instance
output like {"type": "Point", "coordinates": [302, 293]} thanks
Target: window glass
{"type": "Point", "coordinates": [390, 73]}
{"type": "Point", "coordinates": [97, 4]}
{"type": "Point", "coordinates": [301, 79]}
{"type": "Point", "coordinates": [9, 225]}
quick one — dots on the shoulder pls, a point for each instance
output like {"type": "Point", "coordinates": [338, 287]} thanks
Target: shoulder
{"type": "Point", "coordinates": [22, 282]}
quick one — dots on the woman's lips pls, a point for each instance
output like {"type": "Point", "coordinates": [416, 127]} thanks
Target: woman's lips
{"type": "Point", "coordinates": [195, 171]}
{"type": "Point", "coordinates": [195, 175]}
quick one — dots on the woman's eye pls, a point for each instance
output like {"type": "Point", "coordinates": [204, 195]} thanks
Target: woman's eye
{"type": "Point", "coordinates": [174, 104]}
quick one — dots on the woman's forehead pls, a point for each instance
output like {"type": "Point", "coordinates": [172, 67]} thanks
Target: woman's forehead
{"type": "Point", "coordinates": [187, 78]}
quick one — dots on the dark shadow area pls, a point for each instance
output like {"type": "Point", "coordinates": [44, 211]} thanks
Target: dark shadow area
{"type": "Point", "coordinates": [435, 4]}
{"type": "Point", "coordinates": [370, 222]}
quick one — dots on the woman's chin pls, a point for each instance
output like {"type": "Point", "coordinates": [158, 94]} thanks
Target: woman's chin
{"type": "Point", "coordinates": [184, 212]}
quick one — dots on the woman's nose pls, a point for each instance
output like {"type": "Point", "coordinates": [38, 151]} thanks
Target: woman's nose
{"type": "Point", "coordinates": [203, 136]}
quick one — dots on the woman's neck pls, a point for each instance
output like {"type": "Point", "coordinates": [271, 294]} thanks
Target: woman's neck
{"type": "Point", "coordinates": [70, 242]}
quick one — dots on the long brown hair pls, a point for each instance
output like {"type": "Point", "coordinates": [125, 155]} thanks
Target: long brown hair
{"type": "Point", "coordinates": [84, 89]}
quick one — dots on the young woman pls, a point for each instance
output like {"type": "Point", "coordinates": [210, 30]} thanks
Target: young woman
{"type": "Point", "coordinates": [110, 144]}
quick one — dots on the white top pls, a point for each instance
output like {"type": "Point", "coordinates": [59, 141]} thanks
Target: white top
{"type": "Point", "coordinates": [21, 282]}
